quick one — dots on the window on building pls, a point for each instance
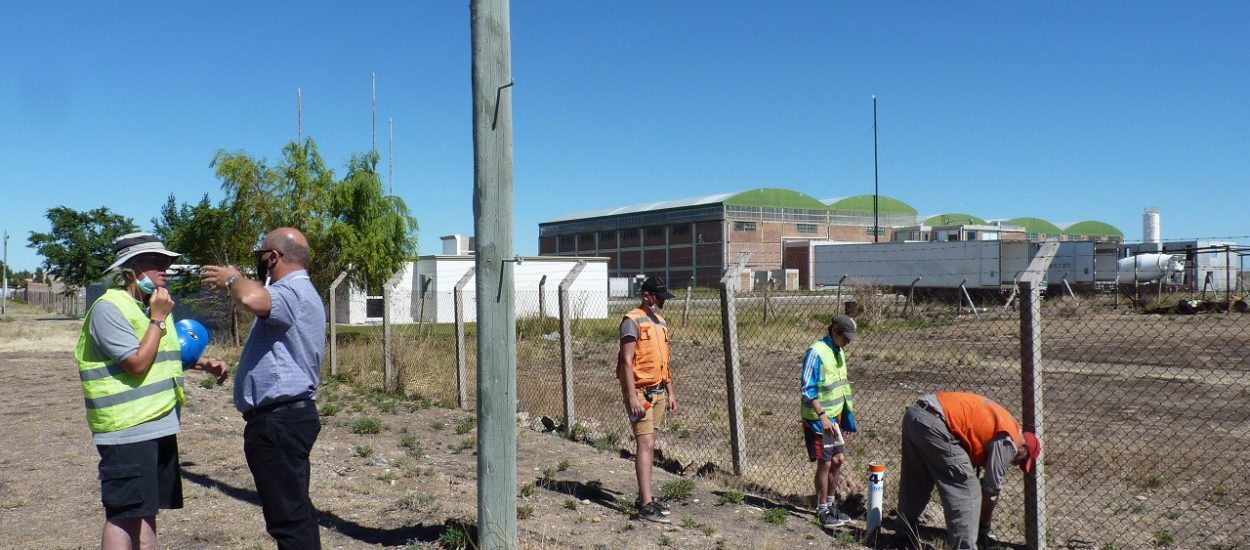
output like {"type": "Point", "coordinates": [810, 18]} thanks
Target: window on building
{"type": "Point", "coordinates": [629, 234]}
{"type": "Point", "coordinates": [681, 229]}
{"type": "Point", "coordinates": [567, 240]}
{"type": "Point", "coordinates": [744, 226]}
{"type": "Point", "coordinates": [655, 232]}
{"type": "Point", "coordinates": [806, 228]}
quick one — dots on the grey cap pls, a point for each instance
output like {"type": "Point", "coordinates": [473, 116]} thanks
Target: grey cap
{"type": "Point", "coordinates": [127, 246]}
{"type": "Point", "coordinates": [845, 325]}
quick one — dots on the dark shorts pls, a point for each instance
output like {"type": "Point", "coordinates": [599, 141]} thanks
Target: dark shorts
{"type": "Point", "coordinates": [137, 479]}
{"type": "Point", "coordinates": [815, 446]}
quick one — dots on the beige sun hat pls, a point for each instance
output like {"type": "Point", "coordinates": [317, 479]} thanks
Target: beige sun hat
{"type": "Point", "coordinates": [127, 246]}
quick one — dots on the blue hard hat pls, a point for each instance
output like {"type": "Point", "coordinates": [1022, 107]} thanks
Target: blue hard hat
{"type": "Point", "coordinates": [193, 338]}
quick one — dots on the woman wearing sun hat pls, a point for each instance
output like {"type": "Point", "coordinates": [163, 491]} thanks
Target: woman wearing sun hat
{"type": "Point", "coordinates": [130, 366]}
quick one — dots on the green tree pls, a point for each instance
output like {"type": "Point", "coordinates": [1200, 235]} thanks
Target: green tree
{"type": "Point", "coordinates": [369, 231]}
{"type": "Point", "coordinates": [201, 233]}
{"type": "Point", "coordinates": [349, 222]}
{"type": "Point", "coordinates": [80, 245]}
{"type": "Point", "coordinates": [251, 201]}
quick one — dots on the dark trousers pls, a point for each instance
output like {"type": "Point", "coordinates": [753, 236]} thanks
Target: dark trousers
{"type": "Point", "coordinates": [277, 444]}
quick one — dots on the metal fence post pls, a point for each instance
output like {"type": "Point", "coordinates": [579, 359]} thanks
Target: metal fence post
{"type": "Point", "coordinates": [1031, 390]}
{"type": "Point", "coordinates": [388, 344]}
{"type": "Point", "coordinates": [733, 378]}
{"type": "Point", "coordinates": [685, 306]}
{"type": "Point", "coordinates": [334, 342]}
{"type": "Point", "coordinates": [566, 341]}
{"type": "Point", "coordinates": [542, 297]}
{"type": "Point", "coordinates": [462, 388]}
{"type": "Point", "coordinates": [425, 292]}
{"type": "Point", "coordinates": [1031, 397]}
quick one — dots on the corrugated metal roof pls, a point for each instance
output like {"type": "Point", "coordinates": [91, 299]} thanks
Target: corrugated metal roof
{"type": "Point", "coordinates": [644, 207]}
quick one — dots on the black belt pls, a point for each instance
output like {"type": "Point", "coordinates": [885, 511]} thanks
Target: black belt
{"type": "Point", "coordinates": [283, 406]}
{"type": "Point", "coordinates": [929, 408]}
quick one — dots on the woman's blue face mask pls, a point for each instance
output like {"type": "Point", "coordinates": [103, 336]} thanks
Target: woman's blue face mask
{"type": "Point", "coordinates": [145, 285]}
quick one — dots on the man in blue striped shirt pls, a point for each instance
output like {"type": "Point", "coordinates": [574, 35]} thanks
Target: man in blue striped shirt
{"type": "Point", "coordinates": [826, 396]}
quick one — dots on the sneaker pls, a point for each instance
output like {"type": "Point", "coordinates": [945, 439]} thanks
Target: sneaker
{"type": "Point", "coordinates": [833, 518]}
{"type": "Point", "coordinates": [651, 512]}
{"type": "Point", "coordinates": [661, 507]}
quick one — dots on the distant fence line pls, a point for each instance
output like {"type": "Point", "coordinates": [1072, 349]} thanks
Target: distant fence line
{"type": "Point", "coordinates": [1141, 407]}
{"type": "Point", "coordinates": [55, 301]}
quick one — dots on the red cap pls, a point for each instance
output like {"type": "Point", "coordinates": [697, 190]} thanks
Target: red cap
{"type": "Point", "coordinates": [1034, 447]}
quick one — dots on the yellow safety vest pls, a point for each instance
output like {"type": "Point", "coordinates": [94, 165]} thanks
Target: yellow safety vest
{"type": "Point", "coordinates": [833, 389]}
{"type": "Point", "coordinates": [115, 399]}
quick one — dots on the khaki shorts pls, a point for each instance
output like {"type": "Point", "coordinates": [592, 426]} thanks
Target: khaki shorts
{"type": "Point", "coordinates": [650, 422]}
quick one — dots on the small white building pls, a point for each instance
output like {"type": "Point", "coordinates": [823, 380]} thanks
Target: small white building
{"type": "Point", "coordinates": [425, 290]}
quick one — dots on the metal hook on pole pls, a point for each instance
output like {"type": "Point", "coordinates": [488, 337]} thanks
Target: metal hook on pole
{"type": "Point", "coordinates": [498, 92]}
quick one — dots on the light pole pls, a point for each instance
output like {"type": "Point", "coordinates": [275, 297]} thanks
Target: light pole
{"type": "Point", "coordinates": [4, 292]}
{"type": "Point", "coordinates": [876, 215]}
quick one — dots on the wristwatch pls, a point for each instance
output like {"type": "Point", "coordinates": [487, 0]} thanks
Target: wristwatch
{"type": "Point", "coordinates": [230, 281]}
{"type": "Point", "coordinates": [159, 324]}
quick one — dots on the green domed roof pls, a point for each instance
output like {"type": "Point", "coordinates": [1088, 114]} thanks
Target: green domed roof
{"type": "Point", "coordinates": [863, 203]}
{"type": "Point", "coordinates": [954, 218]}
{"type": "Point", "coordinates": [775, 198]}
{"type": "Point", "coordinates": [1035, 225]}
{"type": "Point", "coordinates": [1092, 228]}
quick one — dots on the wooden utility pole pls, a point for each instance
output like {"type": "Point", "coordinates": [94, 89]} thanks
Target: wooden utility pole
{"type": "Point", "coordinates": [496, 308]}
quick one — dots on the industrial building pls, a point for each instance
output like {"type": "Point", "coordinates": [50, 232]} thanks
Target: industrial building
{"type": "Point", "coordinates": [691, 241]}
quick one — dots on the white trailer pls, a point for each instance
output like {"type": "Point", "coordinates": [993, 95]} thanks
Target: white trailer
{"type": "Point", "coordinates": [973, 264]}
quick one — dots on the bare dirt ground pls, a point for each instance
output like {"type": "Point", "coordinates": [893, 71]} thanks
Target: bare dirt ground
{"type": "Point", "coordinates": [399, 488]}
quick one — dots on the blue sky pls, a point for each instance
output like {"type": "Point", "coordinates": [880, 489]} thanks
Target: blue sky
{"type": "Point", "coordinates": [1065, 111]}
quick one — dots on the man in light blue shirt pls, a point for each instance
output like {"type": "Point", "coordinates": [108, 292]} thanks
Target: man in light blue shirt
{"type": "Point", "coordinates": [276, 381]}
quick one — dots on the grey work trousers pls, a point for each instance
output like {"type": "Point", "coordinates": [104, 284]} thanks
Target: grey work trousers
{"type": "Point", "coordinates": [932, 455]}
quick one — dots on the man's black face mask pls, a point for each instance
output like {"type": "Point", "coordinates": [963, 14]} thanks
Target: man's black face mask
{"type": "Point", "coordinates": [262, 266]}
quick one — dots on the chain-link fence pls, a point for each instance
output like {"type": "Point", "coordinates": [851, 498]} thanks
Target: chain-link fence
{"type": "Point", "coordinates": [1143, 393]}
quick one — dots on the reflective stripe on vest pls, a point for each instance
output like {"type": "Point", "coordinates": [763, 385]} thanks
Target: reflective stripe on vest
{"type": "Point", "coordinates": [974, 420]}
{"type": "Point", "coordinates": [115, 399]}
{"type": "Point", "coordinates": [651, 353]}
{"type": "Point", "coordinates": [833, 390]}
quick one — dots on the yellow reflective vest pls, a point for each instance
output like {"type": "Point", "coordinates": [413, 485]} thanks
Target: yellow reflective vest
{"type": "Point", "coordinates": [833, 390]}
{"type": "Point", "coordinates": [115, 399]}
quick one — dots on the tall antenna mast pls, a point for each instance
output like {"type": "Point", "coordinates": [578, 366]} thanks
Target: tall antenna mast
{"type": "Point", "coordinates": [299, 115]}
{"type": "Point", "coordinates": [374, 106]}
{"type": "Point", "coordinates": [390, 154]}
{"type": "Point", "coordinates": [876, 215]}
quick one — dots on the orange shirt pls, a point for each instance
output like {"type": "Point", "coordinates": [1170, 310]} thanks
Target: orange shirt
{"type": "Point", "coordinates": [975, 420]}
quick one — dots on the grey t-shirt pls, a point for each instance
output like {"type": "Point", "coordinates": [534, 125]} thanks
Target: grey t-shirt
{"type": "Point", "coordinates": [999, 453]}
{"type": "Point", "coordinates": [629, 329]}
{"type": "Point", "coordinates": [115, 338]}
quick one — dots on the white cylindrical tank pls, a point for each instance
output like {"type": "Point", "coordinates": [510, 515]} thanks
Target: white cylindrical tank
{"type": "Point", "coordinates": [1150, 225]}
{"type": "Point", "coordinates": [1148, 267]}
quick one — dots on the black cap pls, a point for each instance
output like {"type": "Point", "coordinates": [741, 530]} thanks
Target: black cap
{"type": "Point", "coordinates": [655, 285]}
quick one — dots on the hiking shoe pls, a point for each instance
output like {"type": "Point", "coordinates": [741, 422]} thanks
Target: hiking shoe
{"type": "Point", "coordinates": [651, 512]}
{"type": "Point", "coordinates": [833, 518]}
{"type": "Point", "coordinates": [663, 509]}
